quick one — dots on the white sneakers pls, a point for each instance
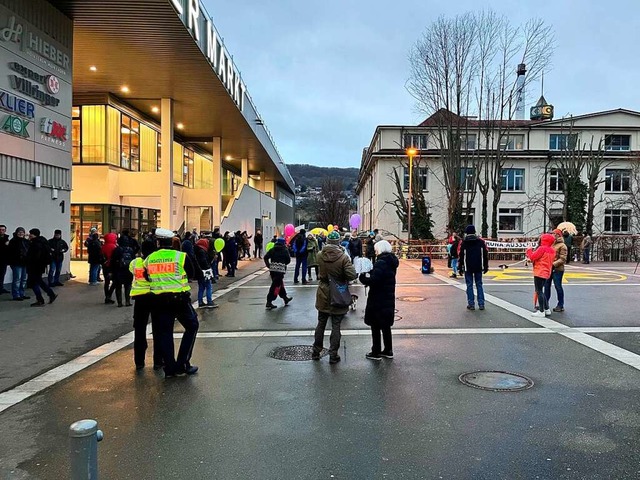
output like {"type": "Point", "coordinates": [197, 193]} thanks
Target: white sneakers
{"type": "Point", "coordinates": [547, 312]}
{"type": "Point", "coordinates": [538, 314]}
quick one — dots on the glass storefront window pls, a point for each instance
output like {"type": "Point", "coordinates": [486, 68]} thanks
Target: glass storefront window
{"type": "Point", "coordinates": [93, 138]}
{"type": "Point", "coordinates": [76, 141]}
{"type": "Point", "coordinates": [130, 144]}
{"type": "Point", "coordinates": [108, 218]}
{"type": "Point", "coordinates": [187, 168]}
{"type": "Point", "coordinates": [178, 175]}
{"type": "Point", "coordinates": [148, 149]}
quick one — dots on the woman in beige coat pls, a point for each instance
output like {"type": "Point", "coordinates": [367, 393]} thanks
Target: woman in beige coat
{"type": "Point", "coordinates": [332, 262]}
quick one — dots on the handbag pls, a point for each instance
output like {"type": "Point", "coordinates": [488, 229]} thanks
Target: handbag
{"type": "Point", "coordinates": [340, 296]}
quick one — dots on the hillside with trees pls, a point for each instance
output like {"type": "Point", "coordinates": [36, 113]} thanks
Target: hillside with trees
{"type": "Point", "coordinates": [311, 176]}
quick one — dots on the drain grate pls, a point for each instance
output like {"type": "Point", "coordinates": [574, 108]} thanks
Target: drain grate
{"type": "Point", "coordinates": [496, 381]}
{"type": "Point", "coordinates": [411, 299]}
{"type": "Point", "coordinates": [295, 353]}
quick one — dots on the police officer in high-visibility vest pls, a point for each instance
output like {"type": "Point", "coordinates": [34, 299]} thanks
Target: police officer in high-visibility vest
{"type": "Point", "coordinates": [169, 272]}
{"type": "Point", "coordinates": [143, 300]}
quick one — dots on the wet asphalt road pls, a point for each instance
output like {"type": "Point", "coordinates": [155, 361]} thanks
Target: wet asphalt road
{"type": "Point", "coordinates": [246, 415]}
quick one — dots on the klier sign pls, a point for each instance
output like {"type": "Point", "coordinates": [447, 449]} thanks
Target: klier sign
{"type": "Point", "coordinates": [206, 36]}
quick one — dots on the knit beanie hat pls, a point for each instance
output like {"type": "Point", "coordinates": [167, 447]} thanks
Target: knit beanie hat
{"type": "Point", "coordinates": [333, 238]}
{"type": "Point", "coordinates": [470, 230]}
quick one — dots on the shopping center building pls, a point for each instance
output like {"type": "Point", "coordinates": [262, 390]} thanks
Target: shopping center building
{"type": "Point", "coordinates": [130, 114]}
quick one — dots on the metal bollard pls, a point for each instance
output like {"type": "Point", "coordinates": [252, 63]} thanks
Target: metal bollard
{"type": "Point", "coordinates": [83, 449]}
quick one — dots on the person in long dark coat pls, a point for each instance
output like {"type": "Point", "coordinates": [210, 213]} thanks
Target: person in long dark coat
{"type": "Point", "coordinates": [381, 301]}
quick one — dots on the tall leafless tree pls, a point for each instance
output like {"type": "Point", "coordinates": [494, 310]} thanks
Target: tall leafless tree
{"type": "Point", "coordinates": [332, 204]}
{"type": "Point", "coordinates": [464, 67]}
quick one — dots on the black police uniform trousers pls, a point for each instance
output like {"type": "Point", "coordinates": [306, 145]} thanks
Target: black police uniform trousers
{"type": "Point", "coordinates": [166, 308]}
{"type": "Point", "coordinates": [141, 311]}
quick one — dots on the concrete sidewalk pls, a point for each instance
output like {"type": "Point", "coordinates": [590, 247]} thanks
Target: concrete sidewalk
{"type": "Point", "coordinates": [34, 340]}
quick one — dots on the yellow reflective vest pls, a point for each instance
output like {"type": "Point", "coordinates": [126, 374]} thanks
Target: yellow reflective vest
{"type": "Point", "coordinates": [165, 269]}
{"type": "Point", "coordinates": [140, 285]}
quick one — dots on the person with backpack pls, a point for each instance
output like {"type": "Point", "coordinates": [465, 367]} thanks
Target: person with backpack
{"type": "Point", "coordinates": [18, 250]}
{"type": "Point", "coordinates": [58, 248]}
{"type": "Point", "coordinates": [473, 262]}
{"type": "Point", "coordinates": [120, 275]}
{"type": "Point", "coordinates": [231, 254]}
{"type": "Point", "coordinates": [38, 259]}
{"type": "Point", "coordinates": [301, 252]}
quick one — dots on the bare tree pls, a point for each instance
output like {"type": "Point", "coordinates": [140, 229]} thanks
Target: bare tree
{"type": "Point", "coordinates": [463, 67]}
{"type": "Point", "coordinates": [332, 205]}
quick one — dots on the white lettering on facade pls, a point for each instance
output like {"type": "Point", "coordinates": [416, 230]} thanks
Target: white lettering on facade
{"type": "Point", "coordinates": [222, 66]}
{"type": "Point", "coordinates": [212, 44]}
{"type": "Point", "coordinates": [236, 89]}
{"type": "Point", "coordinates": [177, 5]}
{"type": "Point", "coordinates": [194, 13]}
{"type": "Point", "coordinates": [47, 50]}
{"type": "Point", "coordinates": [213, 47]}
{"type": "Point", "coordinates": [230, 82]}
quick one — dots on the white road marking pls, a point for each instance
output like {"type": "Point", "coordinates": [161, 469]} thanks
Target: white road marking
{"type": "Point", "coordinates": [362, 331]}
{"type": "Point", "coordinates": [608, 349]}
{"type": "Point", "coordinates": [22, 392]}
{"type": "Point", "coordinates": [579, 335]}
{"type": "Point", "coordinates": [593, 269]}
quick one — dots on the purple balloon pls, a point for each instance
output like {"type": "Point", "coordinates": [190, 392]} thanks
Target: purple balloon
{"type": "Point", "coordinates": [355, 220]}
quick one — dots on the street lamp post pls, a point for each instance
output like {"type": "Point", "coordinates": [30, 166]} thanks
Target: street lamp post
{"type": "Point", "coordinates": [411, 152]}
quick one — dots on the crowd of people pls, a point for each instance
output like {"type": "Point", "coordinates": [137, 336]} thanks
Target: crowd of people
{"type": "Point", "coordinates": [157, 272]}
{"type": "Point", "coordinates": [29, 256]}
{"type": "Point", "coordinates": [332, 257]}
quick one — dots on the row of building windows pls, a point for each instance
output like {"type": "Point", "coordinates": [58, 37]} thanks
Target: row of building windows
{"type": "Point", "coordinates": [102, 134]}
{"type": "Point", "coordinates": [510, 220]}
{"type": "Point", "coordinates": [557, 142]}
{"type": "Point", "coordinates": [616, 180]}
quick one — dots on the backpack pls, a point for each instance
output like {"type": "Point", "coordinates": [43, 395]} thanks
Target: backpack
{"type": "Point", "coordinates": [127, 256]}
{"type": "Point", "coordinates": [426, 265]}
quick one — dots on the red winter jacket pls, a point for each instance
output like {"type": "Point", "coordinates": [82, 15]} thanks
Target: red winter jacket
{"type": "Point", "coordinates": [543, 256]}
{"type": "Point", "coordinates": [108, 247]}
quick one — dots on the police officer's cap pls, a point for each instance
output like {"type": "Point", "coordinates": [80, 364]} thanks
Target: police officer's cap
{"type": "Point", "coordinates": [164, 233]}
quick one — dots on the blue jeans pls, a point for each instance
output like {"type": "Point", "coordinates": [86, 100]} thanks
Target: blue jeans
{"type": "Point", "coordinates": [54, 272]}
{"type": "Point", "coordinates": [204, 286]}
{"type": "Point", "coordinates": [19, 281]}
{"type": "Point", "coordinates": [556, 278]}
{"type": "Point", "coordinates": [215, 267]}
{"type": "Point", "coordinates": [300, 262]}
{"type": "Point", "coordinates": [585, 255]}
{"type": "Point", "coordinates": [94, 269]}
{"type": "Point", "coordinates": [470, 278]}
{"type": "Point", "coordinates": [454, 266]}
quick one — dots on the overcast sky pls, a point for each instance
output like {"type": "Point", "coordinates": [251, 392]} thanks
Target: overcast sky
{"type": "Point", "coordinates": [324, 73]}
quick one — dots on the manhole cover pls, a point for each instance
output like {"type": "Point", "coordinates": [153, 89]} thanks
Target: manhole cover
{"type": "Point", "coordinates": [411, 299]}
{"type": "Point", "coordinates": [295, 353]}
{"type": "Point", "coordinates": [496, 381]}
